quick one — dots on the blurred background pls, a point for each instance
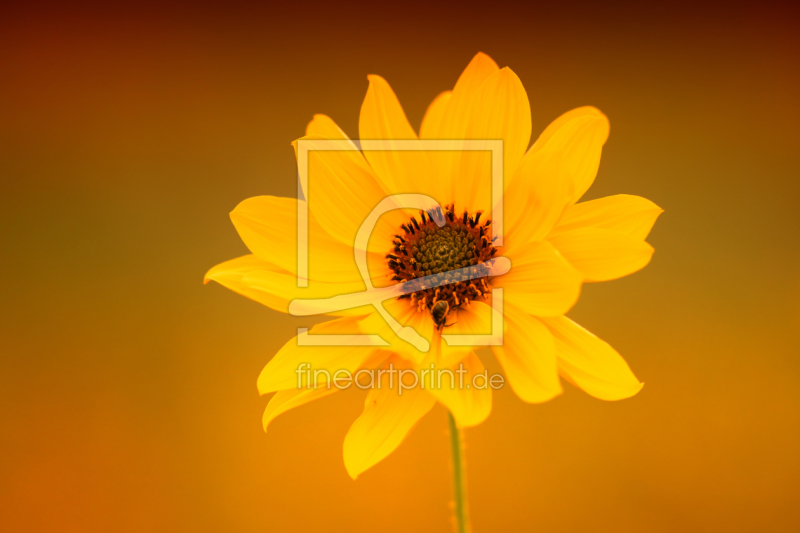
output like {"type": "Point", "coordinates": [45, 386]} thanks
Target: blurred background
{"type": "Point", "coordinates": [127, 388]}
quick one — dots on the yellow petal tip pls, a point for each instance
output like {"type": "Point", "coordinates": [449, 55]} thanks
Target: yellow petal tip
{"type": "Point", "coordinates": [208, 276]}
{"type": "Point", "coordinates": [352, 471]}
{"type": "Point", "coordinates": [484, 57]}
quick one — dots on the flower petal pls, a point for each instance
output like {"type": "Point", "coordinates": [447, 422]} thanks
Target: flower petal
{"type": "Point", "coordinates": [460, 388]}
{"type": "Point", "coordinates": [602, 254]}
{"type": "Point", "coordinates": [556, 125]}
{"type": "Point", "coordinates": [501, 111]}
{"type": "Point", "coordinates": [591, 363]}
{"type": "Point", "coordinates": [324, 126]}
{"type": "Point", "coordinates": [268, 226]}
{"type": "Point", "coordinates": [382, 118]}
{"type": "Point", "coordinates": [439, 160]}
{"type": "Point", "coordinates": [407, 314]}
{"type": "Point", "coordinates": [341, 189]}
{"type": "Point", "coordinates": [261, 281]}
{"type": "Point", "coordinates": [553, 174]}
{"type": "Point", "coordinates": [623, 213]}
{"type": "Point", "coordinates": [231, 274]}
{"type": "Point", "coordinates": [466, 96]}
{"type": "Point", "coordinates": [453, 127]}
{"type": "Point", "coordinates": [541, 282]}
{"type": "Point", "coordinates": [528, 357]}
{"type": "Point", "coordinates": [284, 400]}
{"type": "Point", "coordinates": [277, 289]}
{"type": "Point", "coordinates": [300, 366]}
{"type": "Point", "coordinates": [434, 116]}
{"type": "Point", "coordinates": [473, 319]}
{"type": "Point", "coordinates": [390, 412]}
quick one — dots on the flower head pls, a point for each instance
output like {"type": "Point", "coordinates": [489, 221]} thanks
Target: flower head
{"type": "Point", "coordinates": [553, 242]}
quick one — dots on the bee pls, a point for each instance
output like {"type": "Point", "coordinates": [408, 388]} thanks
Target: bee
{"type": "Point", "coordinates": [439, 312]}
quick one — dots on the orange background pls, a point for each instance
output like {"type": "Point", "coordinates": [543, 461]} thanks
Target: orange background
{"type": "Point", "coordinates": [128, 388]}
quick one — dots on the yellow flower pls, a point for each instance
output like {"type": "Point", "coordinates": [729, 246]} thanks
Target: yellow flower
{"type": "Point", "coordinates": [554, 245]}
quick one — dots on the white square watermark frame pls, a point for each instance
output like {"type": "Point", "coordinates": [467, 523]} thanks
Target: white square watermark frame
{"type": "Point", "coordinates": [305, 146]}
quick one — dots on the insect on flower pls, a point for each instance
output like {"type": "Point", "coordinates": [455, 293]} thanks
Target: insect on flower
{"type": "Point", "coordinates": [439, 314]}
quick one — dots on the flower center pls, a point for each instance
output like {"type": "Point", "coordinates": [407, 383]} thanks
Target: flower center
{"type": "Point", "coordinates": [426, 249]}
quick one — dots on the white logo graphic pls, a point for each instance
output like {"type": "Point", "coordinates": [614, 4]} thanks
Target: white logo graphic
{"type": "Point", "coordinates": [376, 296]}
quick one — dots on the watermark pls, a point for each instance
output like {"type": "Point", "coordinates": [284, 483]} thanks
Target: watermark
{"type": "Point", "coordinates": [400, 379]}
{"type": "Point", "coordinates": [376, 296]}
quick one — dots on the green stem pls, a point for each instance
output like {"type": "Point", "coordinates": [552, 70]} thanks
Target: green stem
{"type": "Point", "coordinates": [459, 477]}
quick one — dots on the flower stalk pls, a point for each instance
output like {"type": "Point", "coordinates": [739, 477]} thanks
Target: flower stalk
{"type": "Point", "coordinates": [460, 510]}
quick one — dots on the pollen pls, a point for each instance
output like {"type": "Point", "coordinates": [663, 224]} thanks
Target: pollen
{"type": "Point", "coordinates": [426, 249]}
